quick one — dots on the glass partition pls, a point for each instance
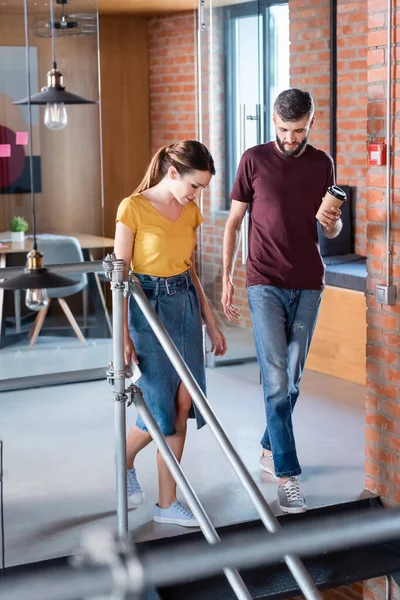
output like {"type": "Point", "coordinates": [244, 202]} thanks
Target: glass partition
{"type": "Point", "coordinates": [64, 187]}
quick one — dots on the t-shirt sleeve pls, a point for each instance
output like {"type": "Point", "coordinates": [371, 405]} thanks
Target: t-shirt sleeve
{"type": "Point", "coordinates": [330, 176]}
{"type": "Point", "coordinates": [198, 217]}
{"type": "Point", "coordinates": [128, 215]}
{"type": "Point", "coordinates": [243, 187]}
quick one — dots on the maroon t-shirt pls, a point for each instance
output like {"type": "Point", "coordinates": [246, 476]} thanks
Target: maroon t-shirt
{"type": "Point", "coordinates": [284, 194]}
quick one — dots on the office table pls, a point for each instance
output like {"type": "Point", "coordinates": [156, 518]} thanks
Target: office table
{"type": "Point", "coordinates": [88, 243]}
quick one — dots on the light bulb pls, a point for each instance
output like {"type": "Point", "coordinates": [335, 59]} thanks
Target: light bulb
{"type": "Point", "coordinates": [55, 116]}
{"type": "Point", "coordinates": [36, 299]}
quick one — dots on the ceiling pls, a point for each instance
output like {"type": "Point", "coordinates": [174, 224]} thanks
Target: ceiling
{"type": "Point", "coordinates": [140, 7]}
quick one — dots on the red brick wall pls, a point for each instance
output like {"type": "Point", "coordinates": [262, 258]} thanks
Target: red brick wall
{"type": "Point", "coordinates": [383, 346]}
{"type": "Point", "coordinates": [172, 65]}
{"type": "Point", "coordinates": [309, 45]}
{"type": "Point", "coordinates": [349, 592]}
{"type": "Point", "coordinates": [309, 36]}
{"type": "Point", "coordinates": [352, 27]}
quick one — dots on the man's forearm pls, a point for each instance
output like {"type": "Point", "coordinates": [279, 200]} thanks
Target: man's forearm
{"type": "Point", "coordinates": [230, 249]}
{"type": "Point", "coordinates": [333, 232]}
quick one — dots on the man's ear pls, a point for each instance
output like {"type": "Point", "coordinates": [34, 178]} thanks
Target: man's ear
{"type": "Point", "coordinates": [312, 122]}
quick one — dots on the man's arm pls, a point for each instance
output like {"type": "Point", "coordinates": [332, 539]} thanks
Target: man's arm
{"type": "Point", "coordinates": [334, 232]}
{"type": "Point", "coordinates": [331, 222]}
{"type": "Point", "coordinates": [230, 248]}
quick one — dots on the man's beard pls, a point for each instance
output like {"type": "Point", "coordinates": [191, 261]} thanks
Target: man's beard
{"type": "Point", "coordinates": [294, 152]}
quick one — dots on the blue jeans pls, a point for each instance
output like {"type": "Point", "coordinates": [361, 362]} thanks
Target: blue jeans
{"type": "Point", "coordinates": [283, 325]}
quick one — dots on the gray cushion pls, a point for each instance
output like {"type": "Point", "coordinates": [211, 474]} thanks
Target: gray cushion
{"type": "Point", "coordinates": [342, 258]}
{"type": "Point", "coordinates": [349, 275]}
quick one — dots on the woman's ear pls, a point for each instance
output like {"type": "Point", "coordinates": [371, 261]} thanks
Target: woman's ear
{"type": "Point", "coordinates": [173, 173]}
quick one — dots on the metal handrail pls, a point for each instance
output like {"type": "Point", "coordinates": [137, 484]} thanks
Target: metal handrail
{"type": "Point", "coordinates": [198, 559]}
{"type": "Point", "coordinates": [301, 575]}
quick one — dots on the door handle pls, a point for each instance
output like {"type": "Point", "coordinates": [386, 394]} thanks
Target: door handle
{"type": "Point", "coordinates": [244, 228]}
{"type": "Point", "coordinates": [242, 128]}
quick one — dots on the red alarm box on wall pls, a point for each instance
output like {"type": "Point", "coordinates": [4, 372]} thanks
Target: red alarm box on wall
{"type": "Point", "coordinates": [376, 154]}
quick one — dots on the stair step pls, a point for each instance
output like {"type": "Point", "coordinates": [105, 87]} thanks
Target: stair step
{"type": "Point", "coordinates": [273, 582]}
{"type": "Point", "coordinates": [328, 570]}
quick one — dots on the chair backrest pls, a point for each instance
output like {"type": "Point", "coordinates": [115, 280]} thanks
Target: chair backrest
{"type": "Point", "coordinates": [344, 242]}
{"type": "Point", "coordinates": [61, 249]}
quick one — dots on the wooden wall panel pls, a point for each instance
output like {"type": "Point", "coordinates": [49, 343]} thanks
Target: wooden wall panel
{"type": "Point", "coordinates": [71, 199]}
{"type": "Point", "coordinates": [70, 159]}
{"type": "Point", "coordinates": [340, 337]}
{"type": "Point", "coordinates": [125, 108]}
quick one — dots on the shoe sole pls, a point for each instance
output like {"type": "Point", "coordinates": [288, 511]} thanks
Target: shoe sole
{"type": "Point", "coordinates": [293, 511]}
{"type": "Point", "coordinates": [170, 521]}
{"type": "Point", "coordinates": [262, 468]}
{"type": "Point", "coordinates": [137, 499]}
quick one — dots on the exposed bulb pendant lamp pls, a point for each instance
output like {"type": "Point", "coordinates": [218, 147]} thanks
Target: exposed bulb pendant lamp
{"type": "Point", "coordinates": [36, 278]}
{"type": "Point", "coordinates": [54, 95]}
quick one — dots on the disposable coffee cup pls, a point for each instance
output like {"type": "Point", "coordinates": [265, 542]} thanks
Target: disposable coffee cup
{"type": "Point", "coordinates": [334, 197]}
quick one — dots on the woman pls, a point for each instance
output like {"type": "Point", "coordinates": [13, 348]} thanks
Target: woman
{"type": "Point", "coordinates": [156, 235]}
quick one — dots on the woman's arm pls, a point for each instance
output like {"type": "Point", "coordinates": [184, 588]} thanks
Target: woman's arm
{"type": "Point", "coordinates": [123, 248]}
{"type": "Point", "coordinates": [206, 310]}
{"type": "Point", "coordinates": [217, 338]}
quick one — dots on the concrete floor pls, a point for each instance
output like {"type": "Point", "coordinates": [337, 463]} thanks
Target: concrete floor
{"type": "Point", "coordinates": [53, 355]}
{"type": "Point", "coordinates": [59, 458]}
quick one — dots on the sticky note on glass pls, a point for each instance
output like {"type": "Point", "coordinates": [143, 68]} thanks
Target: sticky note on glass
{"type": "Point", "coordinates": [5, 150]}
{"type": "Point", "coordinates": [21, 138]}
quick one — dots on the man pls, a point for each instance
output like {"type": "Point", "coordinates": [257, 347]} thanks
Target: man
{"type": "Point", "coordinates": [282, 183]}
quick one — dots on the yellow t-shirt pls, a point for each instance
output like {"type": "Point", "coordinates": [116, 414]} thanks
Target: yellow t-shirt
{"type": "Point", "coordinates": [162, 248]}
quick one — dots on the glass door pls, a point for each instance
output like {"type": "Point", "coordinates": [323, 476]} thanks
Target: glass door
{"type": "Point", "coordinates": [243, 51]}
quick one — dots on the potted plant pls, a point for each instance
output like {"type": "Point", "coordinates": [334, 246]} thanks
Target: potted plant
{"type": "Point", "coordinates": [18, 228]}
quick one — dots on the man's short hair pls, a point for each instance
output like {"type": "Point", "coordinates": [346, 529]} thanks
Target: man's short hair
{"type": "Point", "coordinates": [294, 105]}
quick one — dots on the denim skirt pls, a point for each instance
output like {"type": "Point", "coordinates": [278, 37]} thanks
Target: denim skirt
{"type": "Point", "coordinates": [176, 302]}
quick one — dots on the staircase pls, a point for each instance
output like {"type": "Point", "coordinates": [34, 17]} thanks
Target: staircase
{"type": "Point", "coordinates": [328, 570]}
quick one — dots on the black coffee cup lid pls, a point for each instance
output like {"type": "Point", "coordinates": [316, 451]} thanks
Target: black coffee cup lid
{"type": "Point", "coordinates": [336, 191]}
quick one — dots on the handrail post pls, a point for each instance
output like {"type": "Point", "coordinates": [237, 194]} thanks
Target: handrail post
{"type": "Point", "coordinates": [117, 372]}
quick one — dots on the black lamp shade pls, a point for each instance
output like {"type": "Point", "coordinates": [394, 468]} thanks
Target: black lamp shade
{"type": "Point", "coordinates": [36, 280]}
{"type": "Point", "coordinates": [52, 95]}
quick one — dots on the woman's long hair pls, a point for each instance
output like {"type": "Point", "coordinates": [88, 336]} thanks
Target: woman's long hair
{"type": "Point", "coordinates": [186, 156]}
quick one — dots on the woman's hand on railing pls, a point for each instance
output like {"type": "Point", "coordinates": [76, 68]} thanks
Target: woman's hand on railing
{"type": "Point", "coordinates": [217, 339]}
{"type": "Point", "coordinates": [129, 351]}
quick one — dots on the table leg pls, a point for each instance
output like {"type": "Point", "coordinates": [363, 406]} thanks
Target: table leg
{"type": "Point", "coordinates": [102, 298]}
{"type": "Point", "coordinates": [2, 266]}
{"type": "Point", "coordinates": [17, 310]}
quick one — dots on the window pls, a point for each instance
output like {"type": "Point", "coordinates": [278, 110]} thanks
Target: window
{"type": "Point", "coordinates": [257, 70]}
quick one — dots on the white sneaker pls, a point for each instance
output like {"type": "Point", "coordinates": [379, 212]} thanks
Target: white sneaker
{"type": "Point", "coordinates": [135, 490]}
{"type": "Point", "coordinates": [290, 497]}
{"type": "Point", "coordinates": [177, 514]}
{"type": "Point", "coordinates": [267, 464]}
